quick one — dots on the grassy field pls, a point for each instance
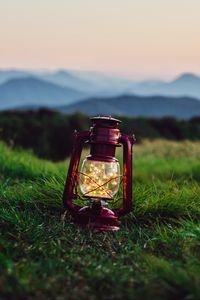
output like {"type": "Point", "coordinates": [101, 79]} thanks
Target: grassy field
{"type": "Point", "coordinates": [155, 255]}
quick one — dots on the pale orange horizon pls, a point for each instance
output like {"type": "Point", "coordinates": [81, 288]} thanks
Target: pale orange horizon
{"type": "Point", "coordinates": [137, 39]}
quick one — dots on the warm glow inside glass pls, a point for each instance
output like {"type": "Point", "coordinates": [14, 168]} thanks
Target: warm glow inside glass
{"type": "Point", "coordinates": [99, 179]}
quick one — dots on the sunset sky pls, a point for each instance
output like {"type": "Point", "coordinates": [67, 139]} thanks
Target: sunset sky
{"type": "Point", "coordinates": [136, 39]}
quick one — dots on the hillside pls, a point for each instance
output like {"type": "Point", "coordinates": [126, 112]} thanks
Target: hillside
{"type": "Point", "coordinates": [69, 80]}
{"type": "Point", "coordinates": [98, 84]}
{"type": "Point", "coordinates": [137, 106]}
{"type": "Point", "coordinates": [154, 255]}
{"type": "Point", "coordinates": [87, 82]}
{"type": "Point", "coordinates": [6, 75]}
{"type": "Point", "coordinates": [32, 91]}
{"type": "Point", "coordinates": [186, 84]}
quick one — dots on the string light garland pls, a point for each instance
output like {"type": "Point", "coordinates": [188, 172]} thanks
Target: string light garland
{"type": "Point", "coordinates": [98, 179]}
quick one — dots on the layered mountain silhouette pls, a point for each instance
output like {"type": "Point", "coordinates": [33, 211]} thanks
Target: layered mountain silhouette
{"type": "Point", "coordinates": [89, 83]}
{"type": "Point", "coordinates": [103, 85]}
{"type": "Point", "coordinates": [67, 79]}
{"type": "Point", "coordinates": [6, 75]}
{"type": "Point", "coordinates": [153, 106]}
{"type": "Point", "coordinates": [185, 85]}
{"type": "Point", "coordinates": [98, 84]}
{"type": "Point", "coordinates": [96, 93]}
{"type": "Point", "coordinates": [33, 91]}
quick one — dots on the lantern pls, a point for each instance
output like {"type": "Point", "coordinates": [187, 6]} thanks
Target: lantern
{"type": "Point", "coordinates": [98, 180]}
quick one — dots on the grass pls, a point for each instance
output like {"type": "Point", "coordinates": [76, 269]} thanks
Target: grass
{"type": "Point", "coordinates": [155, 255]}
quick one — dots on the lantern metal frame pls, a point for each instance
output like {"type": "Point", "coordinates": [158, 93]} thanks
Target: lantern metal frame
{"type": "Point", "coordinates": [104, 136]}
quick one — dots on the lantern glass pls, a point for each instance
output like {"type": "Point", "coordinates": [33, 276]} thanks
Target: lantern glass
{"type": "Point", "coordinates": [99, 179]}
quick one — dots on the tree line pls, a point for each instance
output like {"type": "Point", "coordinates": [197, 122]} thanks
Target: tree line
{"type": "Point", "coordinates": [50, 134]}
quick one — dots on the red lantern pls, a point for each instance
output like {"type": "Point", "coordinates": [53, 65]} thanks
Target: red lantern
{"type": "Point", "coordinates": [98, 180]}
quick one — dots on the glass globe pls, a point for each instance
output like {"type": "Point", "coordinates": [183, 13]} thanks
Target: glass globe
{"type": "Point", "coordinates": [99, 179]}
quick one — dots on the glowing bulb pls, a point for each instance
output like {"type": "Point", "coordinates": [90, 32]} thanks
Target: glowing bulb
{"type": "Point", "coordinates": [114, 182]}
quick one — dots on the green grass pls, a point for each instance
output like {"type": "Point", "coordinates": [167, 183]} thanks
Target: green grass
{"type": "Point", "coordinates": [155, 255]}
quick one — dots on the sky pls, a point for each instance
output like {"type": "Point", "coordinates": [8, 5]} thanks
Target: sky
{"type": "Point", "coordinates": [135, 39]}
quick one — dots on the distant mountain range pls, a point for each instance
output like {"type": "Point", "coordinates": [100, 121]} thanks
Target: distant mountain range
{"type": "Point", "coordinates": [30, 91]}
{"type": "Point", "coordinates": [185, 85]}
{"type": "Point", "coordinates": [88, 83]}
{"type": "Point", "coordinates": [152, 106]}
{"type": "Point", "coordinates": [96, 93]}
{"type": "Point", "coordinates": [98, 84]}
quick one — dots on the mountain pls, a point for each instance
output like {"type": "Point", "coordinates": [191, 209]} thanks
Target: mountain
{"type": "Point", "coordinates": [65, 88]}
{"type": "Point", "coordinates": [6, 75]}
{"type": "Point", "coordinates": [97, 84]}
{"type": "Point", "coordinates": [67, 79]}
{"type": "Point", "coordinates": [152, 106]}
{"type": "Point", "coordinates": [33, 91]}
{"type": "Point", "coordinates": [185, 85]}
{"type": "Point", "coordinates": [88, 82]}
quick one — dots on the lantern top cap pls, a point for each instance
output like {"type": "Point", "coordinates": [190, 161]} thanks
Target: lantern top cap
{"type": "Point", "coordinates": [105, 118]}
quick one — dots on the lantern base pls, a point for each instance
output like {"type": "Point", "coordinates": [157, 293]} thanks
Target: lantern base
{"type": "Point", "coordinates": [103, 219]}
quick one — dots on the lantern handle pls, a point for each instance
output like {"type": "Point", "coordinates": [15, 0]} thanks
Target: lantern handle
{"type": "Point", "coordinates": [127, 142]}
{"type": "Point", "coordinates": [68, 195]}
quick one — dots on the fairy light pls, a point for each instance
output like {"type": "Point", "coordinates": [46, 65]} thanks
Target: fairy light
{"type": "Point", "coordinates": [99, 179]}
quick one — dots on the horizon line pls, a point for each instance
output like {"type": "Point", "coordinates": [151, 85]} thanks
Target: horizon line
{"type": "Point", "coordinates": [122, 74]}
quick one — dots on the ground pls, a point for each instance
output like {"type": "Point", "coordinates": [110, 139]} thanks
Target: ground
{"type": "Point", "coordinates": [155, 255]}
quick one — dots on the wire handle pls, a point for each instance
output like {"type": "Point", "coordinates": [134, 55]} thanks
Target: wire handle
{"type": "Point", "coordinates": [68, 195]}
{"type": "Point", "coordinates": [127, 143]}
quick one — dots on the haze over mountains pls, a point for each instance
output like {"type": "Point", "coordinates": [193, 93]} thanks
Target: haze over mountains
{"type": "Point", "coordinates": [185, 85]}
{"type": "Point", "coordinates": [32, 91]}
{"type": "Point", "coordinates": [96, 93]}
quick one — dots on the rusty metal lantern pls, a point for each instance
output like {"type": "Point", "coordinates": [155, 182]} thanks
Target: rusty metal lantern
{"type": "Point", "coordinates": [98, 180]}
